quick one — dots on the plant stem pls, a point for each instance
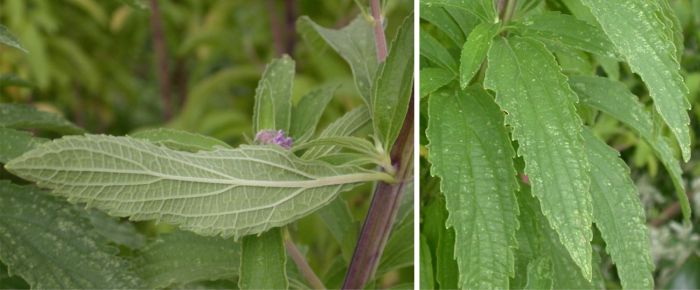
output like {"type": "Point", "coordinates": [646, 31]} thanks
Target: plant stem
{"type": "Point", "coordinates": [509, 10]}
{"type": "Point", "coordinates": [379, 38]}
{"type": "Point", "coordinates": [302, 265]}
{"type": "Point", "coordinates": [382, 211]}
{"type": "Point", "coordinates": [162, 59]}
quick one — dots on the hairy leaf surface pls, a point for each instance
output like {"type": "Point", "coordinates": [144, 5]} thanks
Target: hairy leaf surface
{"type": "Point", "coordinates": [540, 107]}
{"type": "Point", "coordinates": [641, 37]}
{"type": "Point", "coordinates": [232, 192]}
{"type": "Point", "coordinates": [471, 153]}
{"type": "Point", "coordinates": [180, 140]}
{"type": "Point", "coordinates": [273, 96]}
{"type": "Point", "coordinates": [18, 116]}
{"type": "Point", "coordinates": [307, 113]}
{"type": "Point", "coordinates": [474, 51]}
{"type": "Point", "coordinates": [263, 262]}
{"type": "Point", "coordinates": [346, 125]}
{"type": "Point", "coordinates": [619, 215]}
{"type": "Point", "coordinates": [52, 244]}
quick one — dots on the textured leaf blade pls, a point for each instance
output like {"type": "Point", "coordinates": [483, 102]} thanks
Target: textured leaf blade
{"type": "Point", "coordinates": [561, 30]}
{"type": "Point", "coordinates": [619, 215]}
{"type": "Point", "coordinates": [393, 87]}
{"type": "Point", "coordinates": [19, 116]}
{"type": "Point", "coordinates": [14, 143]}
{"type": "Point", "coordinates": [616, 100]}
{"type": "Point", "coordinates": [474, 51]}
{"type": "Point", "coordinates": [183, 257]}
{"type": "Point", "coordinates": [232, 192]}
{"type": "Point", "coordinates": [355, 44]}
{"type": "Point", "coordinates": [52, 244]}
{"type": "Point", "coordinates": [347, 125]}
{"type": "Point", "coordinates": [433, 78]}
{"type": "Point", "coordinates": [263, 262]}
{"type": "Point", "coordinates": [471, 153]}
{"type": "Point", "coordinates": [10, 40]}
{"type": "Point", "coordinates": [180, 140]}
{"type": "Point", "coordinates": [307, 113]}
{"type": "Point", "coordinates": [273, 96]}
{"type": "Point", "coordinates": [530, 87]}
{"type": "Point", "coordinates": [641, 38]}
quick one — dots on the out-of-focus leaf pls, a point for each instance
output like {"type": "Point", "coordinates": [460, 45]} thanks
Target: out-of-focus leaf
{"type": "Point", "coordinates": [8, 39]}
{"type": "Point", "coordinates": [20, 116]}
{"type": "Point", "coordinates": [13, 81]}
{"type": "Point", "coordinates": [180, 140]}
{"type": "Point", "coordinates": [263, 262]}
{"type": "Point", "coordinates": [307, 113]}
{"type": "Point", "coordinates": [14, 143]}
{"type": "Point", "coordinates": [273, 97]}
{"type": "Point", "coordinates": [138, 4]}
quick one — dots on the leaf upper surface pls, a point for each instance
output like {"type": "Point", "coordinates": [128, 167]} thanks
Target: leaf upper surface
{"type": "Point", "coordinates": [484, 9]}
{"type": "Point", "coordinates": [20, 116]}
{"type": "Point", "coordinates": [471, 153]}
{"type": "Point", "coordinates": [540, 108]}
{"type": "Point", "coordinates": [642, 39]}
{"type": "Point", "coordinates": [14, 143]}
{"type": "Point", "coordinates": [263, 262]}
{"type": "Point", "coordinates": [232, 192]}
{"type": "Point", "coordinates": [433, 78]}
{"type": "Point", "coordinates": [307, 113]}
{"type": "Point", "coordinates": [474, 51]}
{"type": "Point", "coordinates": [273, 96]}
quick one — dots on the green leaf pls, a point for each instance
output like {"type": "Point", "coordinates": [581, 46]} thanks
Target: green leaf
{"type": "Point", "coordinates": [118, 232]}
{"type": "Point", "coordinates": [52, 244]}
{"type": "Point", "coordinates": [137, 4]}
{"type": "Point", "coordinates": [183, 257]}
{"type": "Point", "coordinates": [273, 96]}
{"type": "Point", "coordinates": [342, 225]}
{"type": "Point", "coordinates": [440, 17]}
{"type": "Point", "coordinates": [346, 125]}
{"type": "Point", "coordinates": [640, 36]}
{"type": "Point", "coordinates": [616, 100]}
{"type": "Point", "coordinates": [561, 30]}
{"type": "Point", "coordinates": [434, 51]}
{"type": "Point", "coordinates": [263, 262]}
{"type": "Point", "coordinates": [471, 153]}
{"type": "Point", "coordinates": [393, 87]}
{"type": "Point", "coordinates": [180, 140]}
{"type": "Point", "coordinates": [474, 51]}
{"type": "Point", "coordinates": [484, 9]}
{"type": "Point", "coordinates": [442, 240]}
{"type": "Point", "coordinates": [433, 78]}
{"type": "Point", "coordinates": [8, 39]}
{"type": "Point", "coordinates": [307, 113]}
{"type": "Point", "coordinates": [232, 192]}
{"type": "Point", "coordinates": [426, 266]}
{"type": "Point", "coordinates": [20, 116]}
{"type": "Point", "coordinates": [531, 88]}
{"type": "Point", "coordinates": [619, 215]}
{"type": "Point", "coordinates": [398, 252]}
{"type": "Point", "coordinates": [539, 274]}
{"type": "Point", "coordinates": [674, 27]}
{"type": "Point", "coordinates": [354, 43]}
{"type": "Point", "coordinates": [14, 143]}
{"type": "Point", "coordinates": [14, 81]}
{"type": "Point", "coordinates": [356, 144]}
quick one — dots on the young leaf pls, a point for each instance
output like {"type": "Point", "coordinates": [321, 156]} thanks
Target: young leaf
{"type": "Point", "coordinates": [183, 257]}
{"type": "Point", "coordinates": [483, 9]}
{"type": "Point", "coordinates": [426, 266]}
{"type": "Point", "coordinates": [14, 143]}
{"type": "Point", "coordinates": [19, 116]}
{"type": "Point", "coordinates": [531, 88]}
{"type": "Point", "coordinates": [474, 51]}
{"type": "Point", "coordinates": [393, 87]}
{"type": "Point", "coordinates": [273, 96]}
{"type": "Point", "coordinates": [433, 78]}
{"type": "Point", "coordinates": [616, 100]}
{"type": "Point", "coordinates": [640, 36]}
{"type": "Point", "coordinates": [263, 262]}
{"type": "Point", "coordinates": [180, 140]}
{"type": "Point", "coordinates": [52, 244]}
{"type": "Point", "coordinates": [346, 125]}
{"type": "Point", "coordinates": [307, 113]}
{"type": "Point", "coordinates": [355, 44]}
{"type": "Point", "coordinates": [8, 39]}
{"type": "Point", "coordinates": [232, 192]}
{"type": "Point", "coordinates": [561, 30]}
{"type": "Point", "coordinates": [471, 153]}
{"type": "Point", "coordinates": [619, 215]}
{"type": "Point", "coordinates": [431, 49]}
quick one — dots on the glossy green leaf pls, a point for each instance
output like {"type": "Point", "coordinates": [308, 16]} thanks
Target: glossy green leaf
{"type": "Point", "coordinates": [14, 143]}
{"type": "Point", "coordinates": [619, 215]}
{"type": "Point", "coordinates": [8, 39]}
{"type": "Point", "coordinates": [346, 125]}
{"type": "Point", "coordinates": [433, 78]}
{"type": "Point", "coordinates": [182, 257]}
{"type": "Point", "coordinates": [273, 96]}
{"type": "Point", "coordinates": [484, 9]}
{"type": "Point", "coordinates": [531, 88]}
{"type": "Point", "coordinates": [641, 38]}
{"type": "Point", "coordinates": [616, 100]}
{"type": "Point", "coordinates": [263, 262]}
{"type": "Point", "coordinates": [474, 51]}
{"type": "Point", "coordinates": [426, 266]}
{"type": "Point", "coordinates": [393, 87]}
{"type": "Point", "coordinates": [561, 30]}
{"type": "Point", "coordinates": [180, 140]}
{"type": "Point", "coordinates": [354, 43]}
{"type": "Point", "coordinates": [433, 50]}
{"type": "Point", "coordinates": [52, 244]}
{"type": "Point", "coordinates": [307, 113]}
{"type": "Point", "coordinates": [471, 153]}
{"type": "Point", "coordinates": [232, 192]}
{"type": "Point", "coordinates": [20, 116]}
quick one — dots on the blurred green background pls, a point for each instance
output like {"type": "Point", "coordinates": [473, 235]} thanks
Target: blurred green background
{"type": "Point", "coordinates": [96, 63]}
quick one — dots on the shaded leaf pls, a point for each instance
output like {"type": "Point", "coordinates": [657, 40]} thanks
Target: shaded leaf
{"type": "Point", "coordinates": [342, 225]}
{"type": "Point", "coordinates": [439, 16]}
{"type": "Point", "coordinates": [433, 50]}
{"type": "Point", "coordinates": [263, 262]}
{"type": "Point", "coordinates": [18, 116]}
{"type": "Point", "coordinates": [426, 265]}
{"type": "Point", "coordinates": [14, 143]}
{"type": "Point", "coordinates": [484, 9]}
{"type": "Point", "coordinates": [307, 113]}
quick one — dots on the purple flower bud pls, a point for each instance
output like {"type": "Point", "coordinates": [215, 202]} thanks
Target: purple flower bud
{"type": "Point", "coordinates": [273, 137]}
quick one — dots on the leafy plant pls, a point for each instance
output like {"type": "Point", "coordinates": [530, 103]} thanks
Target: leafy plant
{"type": "Point", "coordinates": [237, 204]}
{"type": "Point", "coordinates": [538, 78]}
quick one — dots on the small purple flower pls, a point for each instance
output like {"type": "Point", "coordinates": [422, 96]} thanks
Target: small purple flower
{"type": "Point", "coordinates": [273, 137]}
